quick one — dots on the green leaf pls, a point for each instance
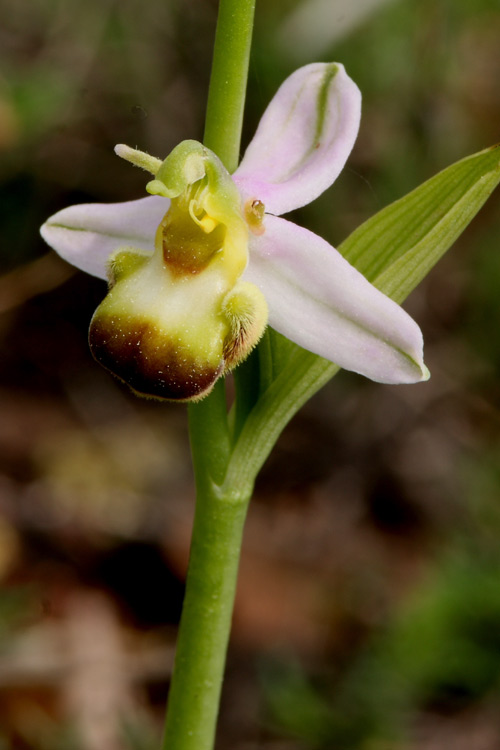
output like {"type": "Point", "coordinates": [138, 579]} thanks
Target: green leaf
{"type": "Point", "coordinates": [395, 250]}
{"type": "Point", "coordinates": [397, 247]}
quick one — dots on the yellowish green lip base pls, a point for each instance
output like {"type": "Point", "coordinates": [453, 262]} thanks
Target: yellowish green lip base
{"type": "Point", "coordinates": [174, 322]}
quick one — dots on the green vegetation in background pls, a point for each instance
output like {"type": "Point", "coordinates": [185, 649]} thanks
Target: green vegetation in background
{"type": "Point", "coordinates": [440, 654]}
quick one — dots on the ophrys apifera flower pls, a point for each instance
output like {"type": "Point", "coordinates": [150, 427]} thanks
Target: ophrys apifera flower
{"type": "Point", "coordinates": [198, 269]}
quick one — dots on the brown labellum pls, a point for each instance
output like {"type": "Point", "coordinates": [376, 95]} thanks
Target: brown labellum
{"type": "Point", "coordinates": [151, 364]}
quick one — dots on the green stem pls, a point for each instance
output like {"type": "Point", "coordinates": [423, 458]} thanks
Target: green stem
{"type": "Point", "coordinates": [228, 81]}
{"type": "Point", "coordinates": [193, 701]}
{"type": "Point", "coordinates": [206, 622]}
{"type": "Point", "coordinates": [209, 435]}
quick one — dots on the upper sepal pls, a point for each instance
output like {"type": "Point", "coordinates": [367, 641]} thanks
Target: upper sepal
{"type": "Point", "coordinates": [303, 139]}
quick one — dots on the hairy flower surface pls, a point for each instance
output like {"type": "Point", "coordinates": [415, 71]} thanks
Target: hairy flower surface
{"type": "Point", "coordinates": [197, 269]}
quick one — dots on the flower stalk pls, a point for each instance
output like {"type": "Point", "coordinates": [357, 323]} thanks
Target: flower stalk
{"type": "Point", "coordinates": [194, 695]}
{"type": "Point", "coordinates": [228, 80]}
{"type": "Point", "coordinates": [206, 619]}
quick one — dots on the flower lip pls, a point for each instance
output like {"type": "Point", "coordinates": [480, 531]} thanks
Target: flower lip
{"type": "Point", "coordinates": [147, 362]}
{"type": "Point", "coordinates": [175, 320]}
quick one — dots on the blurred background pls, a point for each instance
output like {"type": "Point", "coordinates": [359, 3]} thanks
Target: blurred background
{"type": "Point", "coordinates": [368, 610]}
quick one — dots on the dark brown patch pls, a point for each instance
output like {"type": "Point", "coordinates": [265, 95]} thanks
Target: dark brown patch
{"type": "Point", "coordinates": [152, 367]}
{"type": "Point", "coordinates": [187, 250]}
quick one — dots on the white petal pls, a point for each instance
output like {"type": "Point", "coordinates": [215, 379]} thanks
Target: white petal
{"type": "Point", "coordinates": [85, 235]}
{"type": "Point", "coordinates": [303, 139]}
{"type": "Point", "coordinates": [317, 299]}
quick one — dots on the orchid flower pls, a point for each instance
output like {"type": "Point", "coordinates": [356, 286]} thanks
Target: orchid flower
{"type": "Point", "coordinates": [198, 268]}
